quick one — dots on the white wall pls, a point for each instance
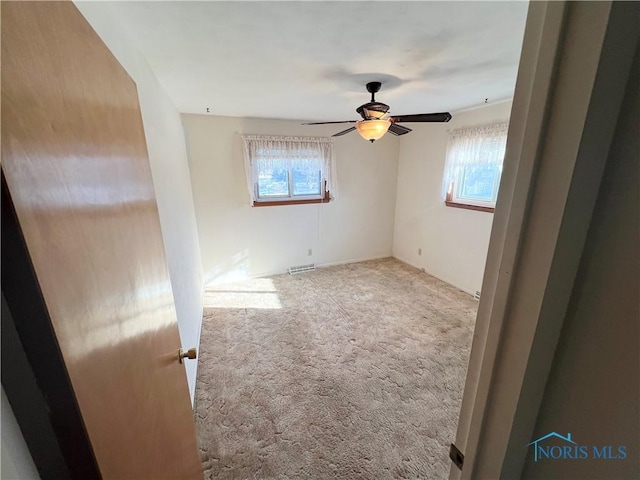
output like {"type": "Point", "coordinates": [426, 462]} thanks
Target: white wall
{"type": "Point", "coordinates": [238, 240]}
{"type": "Point", "coordinates": [593, 390]}
{"type": "Point", "coordinates": [454, 241]}
{"type": "Point", "coordinates": [170, 171]}
{"type": "Point", "coordinates": [16, 460]}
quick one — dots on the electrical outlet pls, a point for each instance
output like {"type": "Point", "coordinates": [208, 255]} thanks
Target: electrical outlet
{"type": "Point", "coordinates": [310, 252]}
{"type": "Point", "coordinates": [419, 251]}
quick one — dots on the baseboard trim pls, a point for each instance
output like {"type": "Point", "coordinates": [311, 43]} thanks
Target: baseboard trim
{"type": "Point", "coordinates": [322, 265]}
{"type": "Point", "coordinates": [284, 271]}
{"type": "Point", "coordinates": [472, 293]}
{"type": "Point", "coordinates": [355, 260]}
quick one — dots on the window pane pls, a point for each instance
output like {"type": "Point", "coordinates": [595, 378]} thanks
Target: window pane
{"type": "Point", "coordinates": [273, 179]}
{"type": "Point", "coordinates": [307, 180]}
{"type": "Point", "coordinates": [480, 182]}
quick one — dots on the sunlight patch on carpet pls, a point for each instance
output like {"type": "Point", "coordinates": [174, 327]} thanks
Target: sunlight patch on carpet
{"type": "Point", "coordinates": [252, 293]}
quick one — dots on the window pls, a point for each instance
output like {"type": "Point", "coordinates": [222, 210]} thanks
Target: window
{"type": "Point", "coordinates": [474, 166]}
{"type": "Point", "coordinates": [289, 170]}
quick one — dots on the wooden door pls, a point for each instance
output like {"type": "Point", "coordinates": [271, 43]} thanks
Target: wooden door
{"type": "Point", "coordinates": [76, 166]}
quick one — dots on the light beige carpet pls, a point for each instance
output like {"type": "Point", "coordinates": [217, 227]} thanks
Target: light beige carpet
{"type": "Point", "coordinates": [351, 372]}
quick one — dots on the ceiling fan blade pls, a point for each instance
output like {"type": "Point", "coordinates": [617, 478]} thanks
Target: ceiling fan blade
{"type": "Point", "coordinates": [422, 117]}
{"type": "Point", "coordinates": [398, 129]}
{"type": "Point", "coordinates": [327, 123]}
{"type": "Point", "coordinates": [344, 132]}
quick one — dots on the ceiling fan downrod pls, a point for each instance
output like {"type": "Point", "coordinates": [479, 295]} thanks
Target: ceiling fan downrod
{"type": "Point", "coordinates": [373, 88]}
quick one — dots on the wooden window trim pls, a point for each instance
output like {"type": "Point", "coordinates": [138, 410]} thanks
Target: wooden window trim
{"type": "Point", "coordinates": [449, 202]}
{"type": "Point", "coordinates": [293, 201]}
{"type": "Point", "coordinates": [468, 206]}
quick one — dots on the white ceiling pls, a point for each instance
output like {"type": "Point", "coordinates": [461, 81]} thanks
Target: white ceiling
{"type": "Point", "coordinates": [310, 60]}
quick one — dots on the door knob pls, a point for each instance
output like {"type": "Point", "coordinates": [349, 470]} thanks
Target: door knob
{"type": "Point", "coordinates": [191, 354]}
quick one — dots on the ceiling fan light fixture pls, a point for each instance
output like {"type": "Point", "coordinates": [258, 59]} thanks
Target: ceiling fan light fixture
{"type": "Point", "coordinates": [376, 120]}
{"type": "Point", "coordinates": [372, 129]}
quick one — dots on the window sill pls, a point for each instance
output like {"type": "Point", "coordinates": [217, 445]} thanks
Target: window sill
{"type": "Point", "coordinates": [468, 206]}
{"type": "Point", "coordinates": [276, 203]}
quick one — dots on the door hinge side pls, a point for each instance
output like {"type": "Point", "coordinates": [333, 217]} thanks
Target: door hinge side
{"type": "Point", "coordinates": [456, 456]}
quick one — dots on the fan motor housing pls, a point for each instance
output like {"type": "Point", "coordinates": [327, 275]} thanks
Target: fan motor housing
{"type": "Point", "coordinates": [372, 106]}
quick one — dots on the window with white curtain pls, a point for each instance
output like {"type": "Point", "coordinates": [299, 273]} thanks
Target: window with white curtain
{"type": "Point", "coordinates": [474, 166]}
{"type": "Point", "coordinates": [283, 170]}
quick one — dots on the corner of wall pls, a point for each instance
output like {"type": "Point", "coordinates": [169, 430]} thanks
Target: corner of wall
{"type": "Point", "coordinates": [451, 244]}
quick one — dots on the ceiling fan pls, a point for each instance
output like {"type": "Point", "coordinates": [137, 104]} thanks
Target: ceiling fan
{"type": "Point", "coordinates": [376, 120]}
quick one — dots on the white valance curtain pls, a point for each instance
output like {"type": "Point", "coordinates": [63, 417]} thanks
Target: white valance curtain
{"type": "Point", "coordinates": [484, 145]}
{"type": "Point", "coordinates": [299, 151]}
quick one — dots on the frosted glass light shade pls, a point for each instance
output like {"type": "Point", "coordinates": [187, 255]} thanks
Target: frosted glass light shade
{"type": "Point", "coordinates": [372, 130]}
